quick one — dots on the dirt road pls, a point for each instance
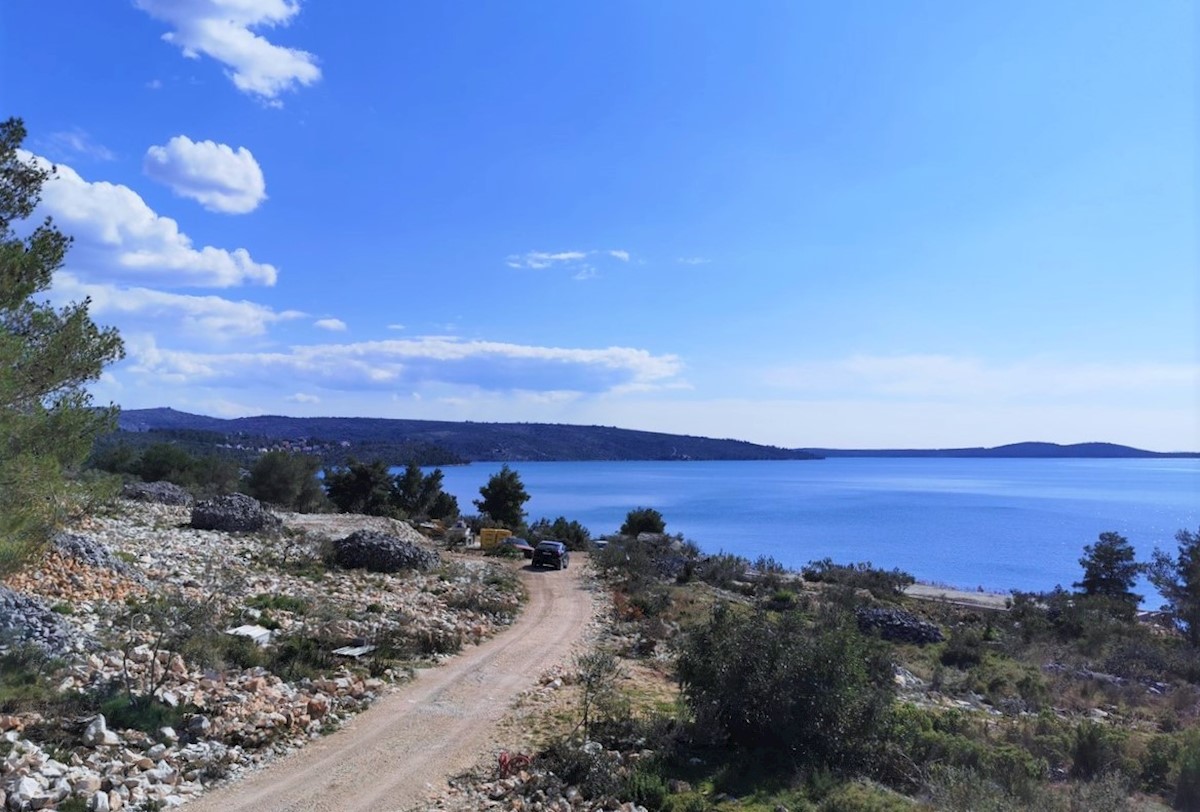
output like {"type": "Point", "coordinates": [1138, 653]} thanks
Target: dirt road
{"type": "Point", "coordinates": [395, 755]}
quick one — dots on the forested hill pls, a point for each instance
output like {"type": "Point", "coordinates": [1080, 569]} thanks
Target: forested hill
{"type": "Point", "coordinates": [368, 437]}
{"type": "Point", "coordinates": [1014, 450]}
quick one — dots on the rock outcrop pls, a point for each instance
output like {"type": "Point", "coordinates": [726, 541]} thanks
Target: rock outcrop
{"type": "Point", "coordinates": [381, 552]}
{"type": "Point", "coordinates": [234, 513]}
{"type": "Point", "coordinates": [163, 493]}
{"type": "Point", "coordinates": [898, 625]}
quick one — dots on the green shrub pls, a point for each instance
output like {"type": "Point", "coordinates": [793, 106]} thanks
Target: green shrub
{"type": "Point", "coordinates": [1187, 785]}
{"type": "Point", "coordinates": [814, 694]}
{"type": "Point", "coordinates": [588, 767]}
{"type": "Point", "coordinates": [282, 603]}
{"type": "Point", "coordinates": [964, 649]}
{"type": "Point", "coordinates": [144, 713]}
{"type": "Point", "coordinates": [1096, 750]}
{"type": "Point", "coordinates": [298, 657]}
{"type": "Point", "coordinates": [646, 787]}
{"type": "Point", "coordinates": [882, 584]}
{"type": "Point", "coordinates": [643, 520]}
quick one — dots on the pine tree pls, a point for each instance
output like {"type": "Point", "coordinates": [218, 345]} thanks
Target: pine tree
{"type": "Point", "coordinates": [47, 356]}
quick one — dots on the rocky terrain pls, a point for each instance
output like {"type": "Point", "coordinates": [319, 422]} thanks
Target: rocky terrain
{"type": "Point", "coordinates": [135, 607]}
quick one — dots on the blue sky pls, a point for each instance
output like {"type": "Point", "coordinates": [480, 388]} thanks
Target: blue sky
{"type": "Point", "coordinates": [854, 224]}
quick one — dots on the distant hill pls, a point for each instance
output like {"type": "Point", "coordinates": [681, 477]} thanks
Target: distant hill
{"type": "Point", "coordinates": [1014, 450]}
{"type": "Point", "coordinates": [393, 440]}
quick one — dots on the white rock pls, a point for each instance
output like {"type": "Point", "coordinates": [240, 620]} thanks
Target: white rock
{"type": "Point", "coordinates": [99, 802]}
{"type": "Point", "coordinates": [94, 733]}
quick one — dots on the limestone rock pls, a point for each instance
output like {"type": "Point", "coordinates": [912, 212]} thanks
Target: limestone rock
{"type": "Point", "coordinates": [233, 513]}
{"type": "Point", "coordinates": [896, 624]}
{"type": "Point", "coordinates": [382, 552]}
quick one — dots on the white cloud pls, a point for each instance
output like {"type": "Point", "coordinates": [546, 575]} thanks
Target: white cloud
{"type": "Point", "coordinates": [120, 238]}
{"type": "Point", "coordinates": [544, 259]}
{"type": "Point", "coordinates": [302, 397]}
{"type": "Point", "coordinates": [209, 317]}
{"type": "Point", "coordinates": [154, 84]}
{"type": "Point", "coordinates": [221, 29]}
{"type": "Point", "coordinates": [579, 262]}
{"type": "Point", "coordinates": [333, 325]}
{"type": "Point", "coordinates": [219, 177]}
{"type": "Point", "coordinates": [74, 143]}
{"type": "Point", "coordinates": [693, 261]}
{"type": "Point", "coordinates": [416, 363]}
{"type": "Point", "coordinates": [396, 327]}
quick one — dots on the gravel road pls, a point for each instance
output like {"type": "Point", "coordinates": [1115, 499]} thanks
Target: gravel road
{"type": "Point", "coordinates": [399, 753]}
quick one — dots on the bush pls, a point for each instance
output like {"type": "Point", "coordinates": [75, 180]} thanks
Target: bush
{"type": "Point", "coordinates": [573, 534]}
{"type": "Point", "coordinates": [882, 584]}
{"type": "Point", "coordinates": [288, 481]}
{"type": "Point", "coordinates": [588, 767]}
{"type": "Point", "coordinates": [1187, 786]}
{"type": "Point", "coordinates": [643, 520]}
{"type": "Point", "coordinates": [964, 649]}
{"type": "Point", "coordinates": [815, 695]}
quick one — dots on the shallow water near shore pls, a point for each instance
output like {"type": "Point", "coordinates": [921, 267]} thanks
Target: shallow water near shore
{"type": "Point", "coordinates": [1000, 524]}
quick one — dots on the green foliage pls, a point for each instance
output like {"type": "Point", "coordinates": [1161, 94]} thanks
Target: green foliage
{"type": "Point", "coordinates": [287, 480]}
{"type": "Point", "coordinates": [503, 498]}
{"type": "Point", "coordinates": [645, 787]}
{"type": "Point", "coordinates": [47, 357]}
{"type": "Point", "coordinates": [1097, 749]}
{"type": "Point", "coordinates": [572, 533]}
{"type": "Point", "coordinates": [204, 474]}
{"type": "Point", "coordinates": [964, 649]}
{"type": "Point", "coordinates": [882, 584]}
{"type": "Point", "coordinates": [1177, 579]}
{"type": "Point", "coordinates": [283, 603]}
{"type": "Point", "coordinates": [144, 713]}
{"type": "Point", "coordinates": [643, 520]}
{"type": "Point", "coordinates": [1109, 571]}
{"type": "Point", "coordinates": [25, 672]}
{"type": "Point", "coordinates": [598, 671]}
{"type": "Point", "coordinates": [592, 769]}
{"type": "Point", "coordinates": [815, 694]}
{"type": "Point", "coordinates": [359, 487]}
{"type": "Point", "coordinates": [1187, 786]}
{"type": "Point", "coordinates": [420, 496]}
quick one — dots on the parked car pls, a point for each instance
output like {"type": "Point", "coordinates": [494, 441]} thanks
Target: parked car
{"type": "Point", "coordinates": [515, 543]}
{"type": "Point", "coordinates": [551, 554]}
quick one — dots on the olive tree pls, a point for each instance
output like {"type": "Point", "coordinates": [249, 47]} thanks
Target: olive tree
{"type": "Point", "coordinates": [48, 356]}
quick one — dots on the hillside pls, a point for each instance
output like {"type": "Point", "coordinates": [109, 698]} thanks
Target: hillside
{"type": "Point", "coordinates": [475, 442]}
{"type": "Point", "coordinates": [1011, 451]}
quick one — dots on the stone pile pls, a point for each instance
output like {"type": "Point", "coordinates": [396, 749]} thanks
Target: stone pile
{"type": "Point", "coordinates": [25, 620]}
{"type": "Point", "coordinates": [233, 513]}
{"type": "Point", "coordinates": [88, 551]}
{"type": "Point", "coordinates": [382, 552]}
{"type": "Point", "coordinates": [163, 493]}
{"type": "Point", "coordinates": [898, 625]}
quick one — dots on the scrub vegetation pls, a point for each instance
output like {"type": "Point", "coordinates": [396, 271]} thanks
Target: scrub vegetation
{"type": "Point", "coordinates": [787, 696]}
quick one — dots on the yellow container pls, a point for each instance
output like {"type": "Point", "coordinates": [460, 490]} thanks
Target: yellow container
{"type": "Point", "coordinates": [489, 537]}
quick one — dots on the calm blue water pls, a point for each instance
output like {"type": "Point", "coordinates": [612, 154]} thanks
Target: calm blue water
{"type": "Point", "coordinates": [999, 524]}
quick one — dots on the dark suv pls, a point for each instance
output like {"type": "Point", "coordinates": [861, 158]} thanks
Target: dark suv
{"type": "Point", "coordinates": [551, 554]}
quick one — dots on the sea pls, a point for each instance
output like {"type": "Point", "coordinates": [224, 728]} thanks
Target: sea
{"type": "Point", "coordinates": [990, 524]}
